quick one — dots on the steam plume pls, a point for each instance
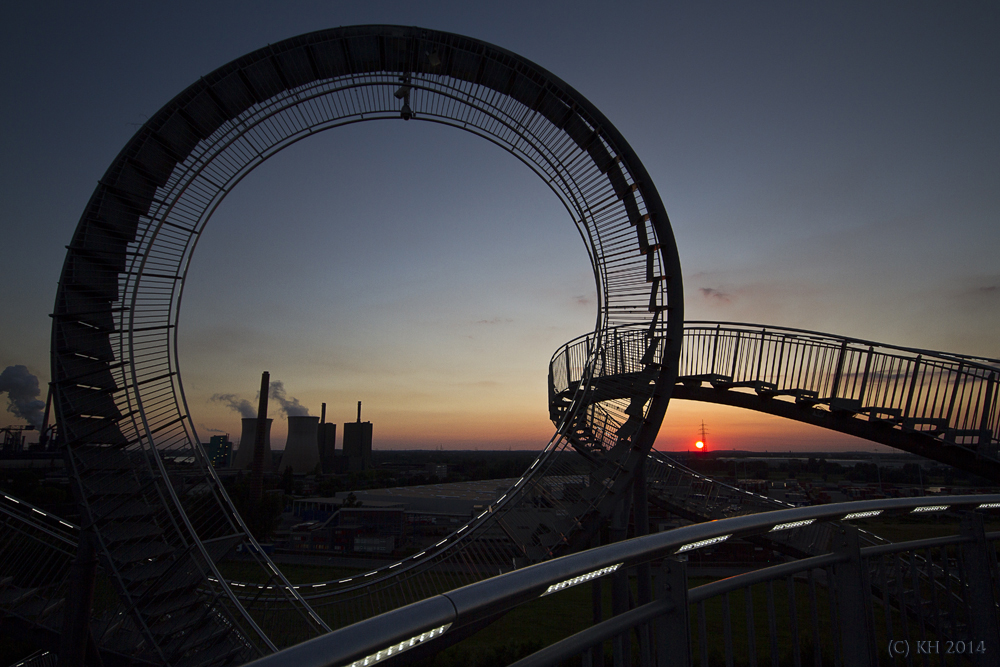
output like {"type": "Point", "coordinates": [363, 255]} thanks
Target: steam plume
{"type": "Point", "coordinates": [240, 405]}
{"type": "Point", "coordinates": [22, 394]}
{"type": "Point", "coordinates": [291, 407]}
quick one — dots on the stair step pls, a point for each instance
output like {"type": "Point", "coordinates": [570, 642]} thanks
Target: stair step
{"type": "Point", "coordinates": [171, 601]}
{"type": "Point", "coordinates": [126, 531]}
{"type": "Point", "coordinates": [116, 509]}
{"type": "Point", "coordinates": [143, 551]}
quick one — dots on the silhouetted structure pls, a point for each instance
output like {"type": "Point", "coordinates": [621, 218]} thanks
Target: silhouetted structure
{"type": "Point", "coordinates": [302, 447]}
{"type": "Point", "coordinates": [326, 441]}
{"type": "Point", "coordinates": [243, 458]}
{"type": "Point", "coordinates": [219, 450]}
{"type": "Point", "coordinates": [358, 444]}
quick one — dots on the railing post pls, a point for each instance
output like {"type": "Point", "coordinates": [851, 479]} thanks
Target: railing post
{"type": "Point", "coordinates": [644, 587]}
{"type": "Point", "coordinates": [854, 592]}
{"type": "Point", "coordinates": [985, 434]}
{"type": "Point", "coordinates": [979, 590]}
{"type": "Point", "coordinates": [864, 378]}
{"type": "Point", "coordinates": [621, 646]}
{"type": "Point", "coordinates": [736, 353]}
{"type": "Point", "coordinates": [673, 638]}
{"type": "Point", "coordinates": [840, 370]}
{"type": "Point", "coordinates": [913, 386]}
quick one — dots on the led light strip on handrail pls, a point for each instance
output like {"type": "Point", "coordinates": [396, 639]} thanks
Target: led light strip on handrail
{"type": "Point", "coordinates": [555, 588]}
{"type": "Point", "coordinates": [703, 543]}
{"type": "Point", "coordinates": [396, 649]}
{"type": "Point", "coordinates": [929, 508]}
{"type": "Point", "coordinates": [791, 524]}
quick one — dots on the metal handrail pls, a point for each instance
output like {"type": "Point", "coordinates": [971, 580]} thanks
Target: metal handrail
{"type": "Point", "coordinates": [425, 621]}
{"type": "Point", "coordinates": [693, 324]}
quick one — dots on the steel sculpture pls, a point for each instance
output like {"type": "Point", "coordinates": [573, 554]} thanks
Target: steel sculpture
{"type": "Point", "coordinates": [161, 526]}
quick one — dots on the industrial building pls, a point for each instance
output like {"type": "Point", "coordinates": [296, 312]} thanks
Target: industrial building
{"type": "Point", "coordinates": [302, 446]}
{"type": "Point", "coordinates": [358, 444]}
{"type": "Point", "coordinates": [244, 455]}
{"type": "Point", "coordinates": [219, 450]}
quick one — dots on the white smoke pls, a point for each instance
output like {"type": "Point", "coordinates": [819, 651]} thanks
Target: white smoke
{"type": "Point", "coordinates": [290, 406]}
{"type": "Point", "coordinates": [237, 404]}
{"type": "Point", "coordinates": [22, 394]}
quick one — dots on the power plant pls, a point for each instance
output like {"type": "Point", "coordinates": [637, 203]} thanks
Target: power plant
{"type": "Point", "coordinates": [311, 446]}
{"type": "Point", "coordinates": [358, 444]}
{"type": "Point", "coordinates": [243, 459]}
{"type": "Point", "coordinates": [302, 447]}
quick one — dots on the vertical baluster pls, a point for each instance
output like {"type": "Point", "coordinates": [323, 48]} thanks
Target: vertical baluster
{"type": "Point", "coordinates": [751, 630]}
{"type": "Point", "coordinates": [772, 624]}
{"type": "Point", "coordinates": [736, 354]}
{"type": "Point", "coordinates": [715, 347]}
{"type": "Point", "coordinates": [833, 590]}
{"type": "Point", "coordinates": [760, 356]}
{"type": "Point", "coordinates": [793, 618]}
{"type": "Point", "coordinates": [702, 635]}
{"type": "Point", "coordinates": [727, 629]}
{"type": "Point", "coordinates": [901, 596]}
{"type": "Point", "coordinates": [932, 582]}
{"type": "Point", "coordinates": [886, 602]}
{"type": "Point", "coordinates": [918, 601]}
{"type": "Point", "coordinates": [814, 617]}
{"type": "Point", "coordinates": [915, 370]}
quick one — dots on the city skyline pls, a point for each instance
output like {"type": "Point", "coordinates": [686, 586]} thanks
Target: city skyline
{"type": "Point", "coordinates": [825, 168]}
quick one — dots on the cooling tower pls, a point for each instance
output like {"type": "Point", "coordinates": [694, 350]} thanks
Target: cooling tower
{"type": "Point", "coordinates": [302, 447]}
{"type": "Point", "coordinates": [243, 460]}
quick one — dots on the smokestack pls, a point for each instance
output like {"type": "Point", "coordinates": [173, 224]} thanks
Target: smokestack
{"type": "Point", "coordinates": [322, 414]}
{"type": "Point", "coordinates": [301, 448]}
{"type": "Point", "coordinates": [257, 471]}
{"type": "Point", "coordinates": [359, 412]}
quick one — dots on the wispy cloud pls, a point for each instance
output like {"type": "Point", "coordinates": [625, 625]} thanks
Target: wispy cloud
{"type": "Point", "coordinates": [210, 430]}
{"type": "Point", "coordinates": [716, 295]}
{"type": "Point", "coordinates": [495, 320]}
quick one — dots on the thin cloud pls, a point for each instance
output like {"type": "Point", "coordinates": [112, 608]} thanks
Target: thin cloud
{"type": "Point", "coordinates": [495, 320]}
{"type": "Point", "coordinates": [713, 294]}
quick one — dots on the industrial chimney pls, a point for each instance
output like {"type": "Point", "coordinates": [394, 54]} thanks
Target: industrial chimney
{"type": "Point", "coordinates": [243, 460]}
{"type": "Point", "coordinates": [302, 447]}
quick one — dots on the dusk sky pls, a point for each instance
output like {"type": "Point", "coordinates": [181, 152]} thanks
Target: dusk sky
{"type": "Point", "coordinates": [826, 166]}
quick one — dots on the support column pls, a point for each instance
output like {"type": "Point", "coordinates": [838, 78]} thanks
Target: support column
{"type": "Point", "coordinates": [979, 592]}
{"type": "Point", "coordinates": [621, 646]}
{"type": "Point", "coordinates": [854, 594]}
{"type": "Point", "coordinates": [673, 638]}
{"type": "Point", "coordinates": [644, 583]}
{"type": "Point", "coordinates": [79, 601]}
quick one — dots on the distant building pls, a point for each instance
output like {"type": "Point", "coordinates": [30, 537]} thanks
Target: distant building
{"type": "Point", "coordinates": [327, 441]}
{"type": "Point", "coordinates": [358, 444]}
{"type": "Point", "coordinates": [219, 450]}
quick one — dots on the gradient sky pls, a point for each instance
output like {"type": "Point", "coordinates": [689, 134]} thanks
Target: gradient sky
{"type": "Point", "coordinates": [833, 166]}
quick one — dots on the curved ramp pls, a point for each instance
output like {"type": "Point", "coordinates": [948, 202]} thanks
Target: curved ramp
{"type": "Point", "coordinates": [939, 405]}
{"type": "Point", "coordinates": [160, 517]}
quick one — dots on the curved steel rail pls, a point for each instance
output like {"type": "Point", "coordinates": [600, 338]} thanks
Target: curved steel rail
{"type": "Point", "coordinates": [435, 618]}
{"type": "Point", "coordinates": [162, 526]}
{"type": "Point", "coordinates": [939, 405]}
